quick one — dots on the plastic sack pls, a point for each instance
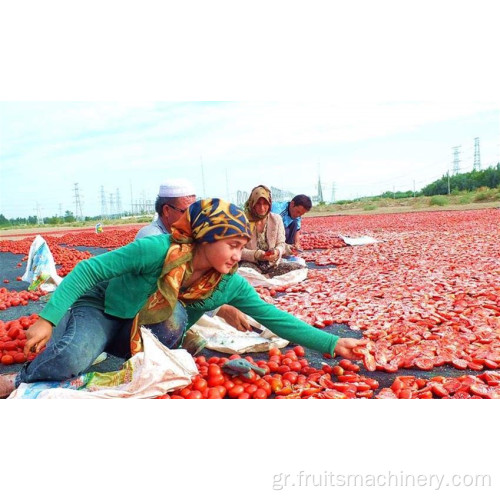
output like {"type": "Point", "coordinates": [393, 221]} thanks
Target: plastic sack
{"type": "Point", "coordinates": [257, 279]}
{"type": "Point", "coordinates": [362, 240]}
{"type": "Point", "coordinates": [222, 337]}
{"type": "Point", "coordinates": [148, 374]}
{"type": "Point", "coordinates": [41, 269]}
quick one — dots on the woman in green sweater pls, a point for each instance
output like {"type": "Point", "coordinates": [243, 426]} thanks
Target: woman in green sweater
{"type": "Point", "coordinates": [165, 282]}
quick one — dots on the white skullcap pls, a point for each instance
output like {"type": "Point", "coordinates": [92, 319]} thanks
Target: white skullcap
{"type": "Point", "coordinates": [176, 188]}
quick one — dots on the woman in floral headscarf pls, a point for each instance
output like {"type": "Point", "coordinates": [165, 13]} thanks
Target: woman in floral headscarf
{"type": "Point", "coordinates": [165, 282]}
{"type": "Point", "coordinates": [266, 247]}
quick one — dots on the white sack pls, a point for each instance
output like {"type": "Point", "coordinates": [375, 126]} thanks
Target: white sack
{"type": "Point", "coordinates": [222, 337]}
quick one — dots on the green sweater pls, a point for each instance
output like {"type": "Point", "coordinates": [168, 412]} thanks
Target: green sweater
{"type": "Point", "coordinates": [133, 271]}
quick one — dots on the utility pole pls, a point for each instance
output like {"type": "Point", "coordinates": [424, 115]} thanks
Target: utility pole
{"type": "Point", "coordinates": [477, 156]}
{"type": "Point", "coordinates": [333, 192]}
{"type": "Point", "coordinates": [413, 188]}
{"type": "Point", "coordinates": [448, 181]}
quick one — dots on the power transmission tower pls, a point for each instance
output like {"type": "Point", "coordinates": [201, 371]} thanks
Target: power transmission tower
{"type": "Point", "coordinates": [320, 191]}
{"type": "Point", "coordinates": [39, 218]}
{"type": "Point", "coordinates": [456, 159]}
{"type": "Point", "coordinates": [477, 155]}
{"type": "Point", "coordinates": [111, 205]}
{"type": "Point", "coordinates": [118, 202]}
{"type": "Point", "coordinates": [78, 203]}
{"type": "Point", "coordinates": [104, 208]}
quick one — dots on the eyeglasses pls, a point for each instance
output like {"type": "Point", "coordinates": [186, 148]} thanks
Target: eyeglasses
{"type": "Point", "coordinates": [180, 210]}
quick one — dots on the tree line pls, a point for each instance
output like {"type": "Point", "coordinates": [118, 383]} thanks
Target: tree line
{"type": "Point", "coordinates": [468, 181]}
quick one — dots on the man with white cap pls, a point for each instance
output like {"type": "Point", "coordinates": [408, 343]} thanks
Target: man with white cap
{"type": "Point", "coordinates": [174, 197]}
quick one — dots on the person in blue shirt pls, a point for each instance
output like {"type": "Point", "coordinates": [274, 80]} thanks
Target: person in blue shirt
{"type": "Point", "coordinates": [291, 212]}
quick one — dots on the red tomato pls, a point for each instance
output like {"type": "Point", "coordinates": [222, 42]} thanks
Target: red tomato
{"type": "Point", "coordinates": [274, 351]}
{"type": "Point", "coordinates": [215, 380]}
{"type": "Point", "coordinates": [235, 391]}
{"type": "Point", "coordinates": [19, 357]}
{"type": "Point", "coordinates": [251, 389]}
{"type": "Point", "coordinates": [6, 359]}
{"type": "Point", "coordinates": [259, 394]}
{"type": "Point", "coordinates": [184, 392]}
{"type": "Point", "coordinates": [213, 369]}
{"type": "Point", "coordinates": [299, 351]}
{"type": "Point", "coordinates": [291, 377]}
{"type": "Point", "coordinates": [214, 393]}
{"type": "Point", "coordinates": [199, 383]}
{"type": "Point", "coordinates": [194, 395]}
{"type": "Point", "coordinates": [222, 390]}
{"type": "Point", "coordinates": [276, 385]}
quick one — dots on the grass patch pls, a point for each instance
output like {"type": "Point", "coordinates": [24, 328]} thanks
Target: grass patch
{"type": "Point", "coordinates": [439, 201]}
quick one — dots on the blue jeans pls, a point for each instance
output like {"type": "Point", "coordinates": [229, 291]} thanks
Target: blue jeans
{"type": "Point", "coordinates": [84, 333]}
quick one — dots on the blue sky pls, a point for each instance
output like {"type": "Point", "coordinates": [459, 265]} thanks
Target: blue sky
{"type": "Point", "coordinates": [356, 149]}
{"type": "Point", "coordinates": [371, 96]}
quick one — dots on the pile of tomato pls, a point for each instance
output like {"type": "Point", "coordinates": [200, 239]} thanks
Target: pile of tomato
{"type": "Point", "coordinates": [426, 295]}
{"type": "Point", "coordinates": [11, 298]}
{"type": "Point", "coordinates": [288, 375]}
{"type": "Point", "coordinates": [485, 385]}
{"type": "Point", "coordinates": [13, 340]}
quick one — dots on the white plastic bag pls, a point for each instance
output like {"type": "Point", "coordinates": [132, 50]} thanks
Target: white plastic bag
{"type": "Point", "coordinates": [41, 268]}
{"type": "Point", "coordinates": [222, 337]}
{"type": "Point", "coordinates": [148, 374]}
{"type": "Point", "coordinates": [258, 279]}
{"type": "Point", "coordinates": [361, 240]}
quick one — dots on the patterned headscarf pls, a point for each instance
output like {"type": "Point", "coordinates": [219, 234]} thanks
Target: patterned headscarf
{"type": "Point", "coordinates": [257, 193]}
{"type": "Point", "coordinates": [205, 221]}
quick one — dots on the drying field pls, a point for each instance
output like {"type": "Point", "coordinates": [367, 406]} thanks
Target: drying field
{"type": "Point", "coordinates": [426, 295]}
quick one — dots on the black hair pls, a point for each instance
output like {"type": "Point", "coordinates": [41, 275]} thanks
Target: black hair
{"type": "Point", "coordinates": [162, 200]}
{"type": "Point", "coordinates": [302, 200]}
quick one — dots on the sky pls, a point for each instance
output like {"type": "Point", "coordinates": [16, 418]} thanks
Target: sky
{"type": "Point", "coordinates": [67, 148]}
{"type": "Point", "coordinates": [366, 110]}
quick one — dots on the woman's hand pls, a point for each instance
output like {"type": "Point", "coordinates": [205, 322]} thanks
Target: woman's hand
{"type": "Point", "coordinates": [38, 334]}
{"type": "Point", "coordinates": [234, 317]}
{"type": "Point", "coordinates": [345, 346]}
{"type": "Point", "coordinates": [271, 255]}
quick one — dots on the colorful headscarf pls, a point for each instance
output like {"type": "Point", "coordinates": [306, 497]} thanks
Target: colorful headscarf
{"type": "Point", "coordinates": [257, 193]}
{"type": "Point", "coordinates": [205, 221]}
